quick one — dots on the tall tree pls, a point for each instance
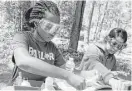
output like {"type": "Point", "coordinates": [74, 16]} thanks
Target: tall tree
{"type": "Point", "coordinates": [90, 21]}
{"type": "Point", "coordinates": [99, 15]}
{"type": "Point", "coordinates": [24, 6]}
{"type": "Point", "coordinates": [102, 21]}
{"type": "Point", "coordinates": [77, 24]}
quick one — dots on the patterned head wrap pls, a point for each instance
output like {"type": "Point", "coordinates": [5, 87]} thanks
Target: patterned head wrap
{"type": "Point", "coordinates": [38, 11]}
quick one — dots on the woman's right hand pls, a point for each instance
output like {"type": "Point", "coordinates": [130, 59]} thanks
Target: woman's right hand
{"type": "Point", "coordinates": [76, 81]}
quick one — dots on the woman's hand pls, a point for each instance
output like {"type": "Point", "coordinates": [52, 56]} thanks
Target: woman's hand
{"type": "Point", "coordinates": [92, 77]}
{"type": "Point", "coordinates": [76, 81]}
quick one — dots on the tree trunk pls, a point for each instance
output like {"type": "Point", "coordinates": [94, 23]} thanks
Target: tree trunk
{"type": "Point", "coordinates": [90, 21]}
{"type": "Point", "coordinates": [21, 20]}
{"type": "Point", "coordinates": [77, 24]}
{"type": "Point", "coordinates": [20, 17]}
{"type": "Point", "coordinates": [24, 6]}
{"type": "Point", "coordinates": [101, 25]}
{"type": "Point", "coordinates": [110, 24]}
{"type": "Point", "coordinates": [95, 33]}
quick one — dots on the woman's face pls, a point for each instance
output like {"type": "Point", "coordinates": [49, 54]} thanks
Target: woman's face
{"type": "Point", "coordinates": [48, 27]}
{"type": "Point", "coordinates": [115, 44]}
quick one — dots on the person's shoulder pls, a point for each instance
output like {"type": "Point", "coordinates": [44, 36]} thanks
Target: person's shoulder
{"type": "Point", "coordinates": [20, 32]}
{"type": "Point", "coordinates": [114, 58]}
{"type": "Point", "coordinates": [52, 44]}
{"type": "Point", "coordinates": [91, 50]}
{"type": "Point", "coordinates": [24, 33]}
{"type": "Point", "coordinates": [21, 35]}
{"type": "Point", "coordinates": [91, 47]}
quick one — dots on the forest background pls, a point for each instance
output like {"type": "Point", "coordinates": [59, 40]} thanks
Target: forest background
{"type": "Point", "coordinates": [84, 22]}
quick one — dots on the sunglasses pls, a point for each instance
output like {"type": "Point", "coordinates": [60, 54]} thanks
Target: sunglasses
{"type": "Point", "coordinates": [50, 27]}
{"type": "Point", "coordinates": [118, 45]}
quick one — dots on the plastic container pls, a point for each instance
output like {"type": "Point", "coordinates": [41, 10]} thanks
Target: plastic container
{"type": "Point", "coordinates": [19, 79]}
{"type": "Point", "coordinates": [25, 82]}
{"type": "Point", "coordinates": [49, 84]}
{"type": "Point", "coordinates": [70, 65]}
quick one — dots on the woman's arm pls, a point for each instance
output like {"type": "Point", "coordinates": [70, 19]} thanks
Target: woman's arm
{"type": "Point", "coordinates": [37, 66]}
{"type": "Point", "coordinates": [33, 65]}
{"type": "Point", "coordinates": [94, 64]}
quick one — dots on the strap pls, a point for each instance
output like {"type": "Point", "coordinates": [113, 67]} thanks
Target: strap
{"type": "Point", "coordinates": [14, 72]}
{"type": "Point", "coordinates": [13, 59]}
{"type": "Point", "coordinates": [101, 50]}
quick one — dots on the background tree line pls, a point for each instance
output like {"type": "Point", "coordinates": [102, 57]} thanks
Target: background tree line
{"type": "Point", "coordinates": [84, 22]}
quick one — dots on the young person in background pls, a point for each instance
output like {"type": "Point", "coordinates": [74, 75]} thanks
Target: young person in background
{"type": "Point", "coordinates": [100, 56]}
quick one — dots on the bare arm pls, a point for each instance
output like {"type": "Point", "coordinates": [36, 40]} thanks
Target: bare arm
{"type": "Point", "coordinates": [94, 64]}
{"type": "Point", "coordinates": [36, 66]}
